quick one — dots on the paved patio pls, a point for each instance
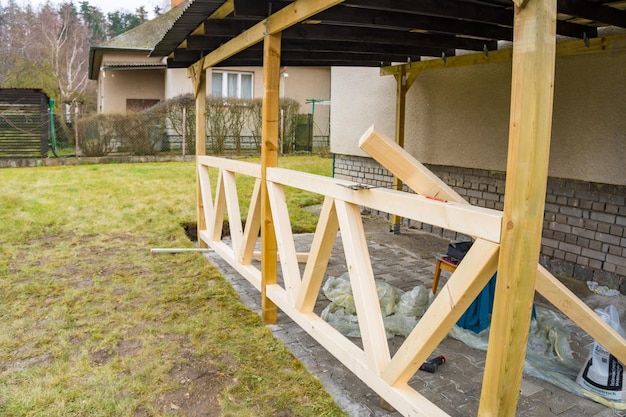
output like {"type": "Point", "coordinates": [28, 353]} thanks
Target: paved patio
{"type": "Point", "coordinates": [406, 260]}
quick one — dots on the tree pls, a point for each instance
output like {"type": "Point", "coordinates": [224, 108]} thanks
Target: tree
{"type": "Point", "coordinates": [142, 13]}
{"type": "Point", "coordinates": [94, 19]}
{"type": "Point", "coordinates": [120, 22]}
{"type": "Point", "coordinates": [65, 46]}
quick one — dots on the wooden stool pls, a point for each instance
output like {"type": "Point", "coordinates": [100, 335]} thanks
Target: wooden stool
{"type": "Point", "coordinates": [442, 263]}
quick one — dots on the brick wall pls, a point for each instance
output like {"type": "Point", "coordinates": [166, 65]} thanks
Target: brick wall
{"type": "Point", "coordinates": [584, 228]}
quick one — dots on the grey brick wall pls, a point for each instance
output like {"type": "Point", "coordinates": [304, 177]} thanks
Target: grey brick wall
{"type": "Point", "coordinates": [584, 228]}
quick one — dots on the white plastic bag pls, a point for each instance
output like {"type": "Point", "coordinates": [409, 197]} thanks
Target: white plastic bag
{"type": "Point", "coordinates": [602, 377]}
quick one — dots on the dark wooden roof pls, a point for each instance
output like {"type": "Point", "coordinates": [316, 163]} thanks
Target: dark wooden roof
{"type": "Point", "coordinates": [373, 32]}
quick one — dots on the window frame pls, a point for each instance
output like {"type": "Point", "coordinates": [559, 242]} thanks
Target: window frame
{"type": "Point", "coordinates": [225, 75]}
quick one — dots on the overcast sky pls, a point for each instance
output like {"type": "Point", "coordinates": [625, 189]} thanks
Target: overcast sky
{"type": "Point", "coordinates": [107, 6]}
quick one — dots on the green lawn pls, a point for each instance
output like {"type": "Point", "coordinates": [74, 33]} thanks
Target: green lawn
{"type": "Point", "coordinates": [93, 324]}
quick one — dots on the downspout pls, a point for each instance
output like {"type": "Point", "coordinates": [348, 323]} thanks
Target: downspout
{"type": "Point", "coordinates": [53, 137]}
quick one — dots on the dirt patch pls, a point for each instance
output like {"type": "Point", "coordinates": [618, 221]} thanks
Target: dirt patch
{"type": "Point", "coordinates": [201, 381]}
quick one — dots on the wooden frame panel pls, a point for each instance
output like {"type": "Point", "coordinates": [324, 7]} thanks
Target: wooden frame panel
{"type": "Point", "coordinates": [340, 211]}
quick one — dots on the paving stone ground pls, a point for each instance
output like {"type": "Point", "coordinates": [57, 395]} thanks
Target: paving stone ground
{"type": "Point", "coordinates": [405, 260]}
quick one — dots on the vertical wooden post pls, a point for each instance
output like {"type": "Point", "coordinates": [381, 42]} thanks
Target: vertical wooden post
{"type": "Point", "coordinates": [401, 88]}
{"type": "Point", "coordinates": [200, 91]}
{"type": "Point", "coordinates": [534, 46]}
{"type": "Point", "coordinates": [269, 158]}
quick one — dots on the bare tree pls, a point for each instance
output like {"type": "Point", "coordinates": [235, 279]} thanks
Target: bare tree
{"type": "Point", "coordinates": [66, 48]}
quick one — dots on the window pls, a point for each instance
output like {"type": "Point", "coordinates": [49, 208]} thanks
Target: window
{"type": "Point", "coordinates": [231, 84]}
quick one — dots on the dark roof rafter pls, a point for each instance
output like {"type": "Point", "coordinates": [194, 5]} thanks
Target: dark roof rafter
{"type": "Point", "coordinates": [368, 32]}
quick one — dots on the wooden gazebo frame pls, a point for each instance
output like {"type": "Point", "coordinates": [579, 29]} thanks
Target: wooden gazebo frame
{"type": "Point", "coordinates": [507, 241]}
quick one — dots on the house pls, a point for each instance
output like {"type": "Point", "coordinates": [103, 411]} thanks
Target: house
{"type": "Point", "coordinates": [131, 76]}
{"type": "Point", "coordinates": [496, 60]}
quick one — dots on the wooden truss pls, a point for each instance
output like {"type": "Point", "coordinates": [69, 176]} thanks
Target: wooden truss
{"type": "Point", "coordinates": [296, 294]}
{"type": "Point", "coordinates": [506, 241]}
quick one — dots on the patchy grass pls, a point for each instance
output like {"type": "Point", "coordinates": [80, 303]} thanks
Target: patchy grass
{"type": "Point", "coordinates": [93, 324]}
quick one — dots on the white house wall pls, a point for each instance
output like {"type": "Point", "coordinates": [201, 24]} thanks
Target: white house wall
{"type": "Point", "coordinates": [459, 116]}
{"type": "Point", "coordinates": [127, 84]}
{"type": "Point", "coordinates": [177, 83]}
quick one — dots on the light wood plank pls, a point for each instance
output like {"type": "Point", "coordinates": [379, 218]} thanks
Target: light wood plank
{"type": "Point", "coordinates": [402, 164]}
{"type": "Point", "coordinates": [580, 313]}
{"type": "Point", "coordinates": [269, 158]}
{"type": "Point", "coordinates": [321, 248]}
{"type": "Point", "coordinates": [219, 208]}
{"type": "Point", "coordinates": [363, 286]}
{"type": "Point", "coordinates": [284, 238]}
{"type": "Point", "coordinates": [204, 182]}
{"type": "Point", "coordinates": [234, 214]}
{"type": "Point", "coordinates": [250, 169]}
{"type": "Point", "coordinates": [534, 40]}
{"type": "Point", "coordinates": [401, 89]}
{"type": "Point", "coordinates": [253, 225]}
{"type": "Point", "coordinates": [403, 398]}
{"type": "Point", "coordinates": [460, 291]}
{"type": "Point", "coordinates": [464, 218]}
{"type": "Point", "coordinates": [200, 150]}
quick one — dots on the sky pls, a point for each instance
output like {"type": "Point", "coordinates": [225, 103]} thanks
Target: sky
{"type": "Point", "coordinates": [108, 6]}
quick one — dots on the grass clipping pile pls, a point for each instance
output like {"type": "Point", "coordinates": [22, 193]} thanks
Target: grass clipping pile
{"type": "Point", "coordinates": [93, 324]}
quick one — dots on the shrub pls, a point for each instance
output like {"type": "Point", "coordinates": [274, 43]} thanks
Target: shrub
{"type": "Point", "coordinates": [141, 133]}
{"type": "Point", "coordinates": [96, 134]}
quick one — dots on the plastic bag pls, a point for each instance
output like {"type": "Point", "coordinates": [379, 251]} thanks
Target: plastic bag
{"type": "Point", "coordinates": [388, 297]}
{"type": "Point", "coordinates": [414, 303]}
{"type": "Point", "coordinates": [602, 376]}
{"type": "Point", "coordinates": [344, 322]}
{"type": "Point", "coordinates": [339, 291]}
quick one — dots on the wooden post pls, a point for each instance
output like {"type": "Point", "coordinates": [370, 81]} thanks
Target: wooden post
{"type": "Point", "coordinates": [401, 89]}
{"type": "Point", "coordinates": [534, 45]}
{"type": "Point", "coordinates": [200, 91]}
{"type": "Point", "coordinates": [269, 158]}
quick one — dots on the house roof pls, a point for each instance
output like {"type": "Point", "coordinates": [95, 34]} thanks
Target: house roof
{"type": "Point", "coordinates": [370, 32]}
{"type": "Point", "coordinates": [141, 38]}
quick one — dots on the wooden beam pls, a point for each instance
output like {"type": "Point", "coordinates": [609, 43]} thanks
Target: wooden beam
{"type": "Point", "coordinates": [223, 11]}
{"type": "Point", "coordinates": [455, 297]}
{"type": "Point", "coordinates": [580, 313]}
{"type": "Point", "coordinates": [460, 217]}
{"type": "Point", "coordinates": [524, 199]}
{"type": "Point", "coordinates": [386, 36]}
{"type": "Point", "coordinates": [401, 89]}
{"type": "Point", "coordinates": [277, 22]}
{"type": "Point", "coordinates": [285, 244]}
{"type": "Point", "coordinates": [321, 248]}
{"type": "Point", "coordinates": [363, 286]}
{"type": "Point", "coordinates": [594, 12]}
{"type": "Point", "coordinates": [615, 43]}
{"type": "Point", "coordinates": [253, 225]}
{"type": "Point", "coordinates": [197, 76]}
{"type": "Point", "coordinates": [200, 88]}
{"type": "Point", "coordinates": [269, 158]}
{"type": "Point", "coordinates": [402, 164]}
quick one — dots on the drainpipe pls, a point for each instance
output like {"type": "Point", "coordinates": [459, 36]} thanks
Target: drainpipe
{"type": "Point", "coordinates": [53, 138]}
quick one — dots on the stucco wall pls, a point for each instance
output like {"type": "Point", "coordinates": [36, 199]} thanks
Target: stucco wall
{"type": "Point", "coordinates": [135, 84]}
{"type": "Point", "coordinates": [177, 83]}
{"type": "Point", "coordinates": [459, 117]}
{"type": "Point", "coordinates": [310, 83]}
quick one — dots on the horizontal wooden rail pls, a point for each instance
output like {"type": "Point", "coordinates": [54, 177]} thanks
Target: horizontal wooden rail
{"type": "Point", "coordinates": [460, 217]}
{"type": "Point", "coordinates": [240, 167]}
